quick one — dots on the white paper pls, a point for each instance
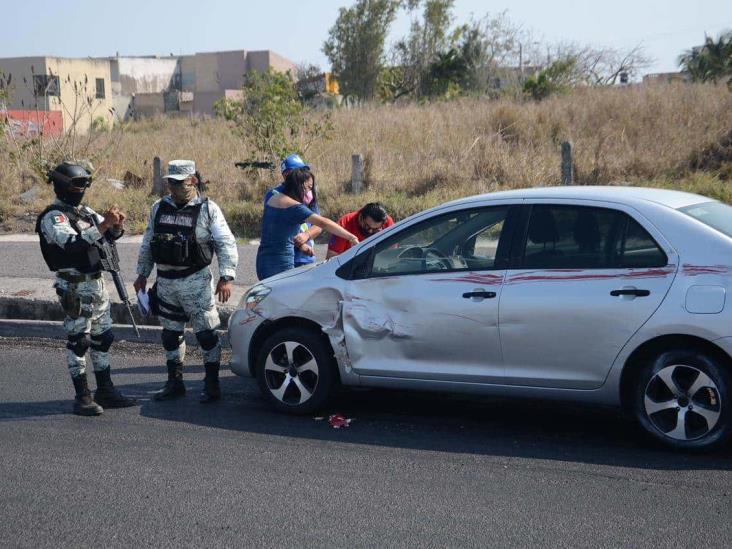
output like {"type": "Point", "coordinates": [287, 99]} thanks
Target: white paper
{"type": "Point", "coordinates": [143, 302]}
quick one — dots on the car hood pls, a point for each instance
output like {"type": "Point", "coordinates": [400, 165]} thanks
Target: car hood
{"type": "Point", "coordinates": [292, 272]}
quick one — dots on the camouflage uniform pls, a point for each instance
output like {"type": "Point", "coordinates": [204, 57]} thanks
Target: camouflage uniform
{"type": "Point", "coordinates": [190, 297]}
{"type": "Point", "coordinates": [68, 237]}
{"type": "Point", "coordinates": [193, 294]}
{"type": "Point", "coordinates": [94, 318]}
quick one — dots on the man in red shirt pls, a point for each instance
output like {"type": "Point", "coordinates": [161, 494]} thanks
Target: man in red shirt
{"type": "Point", "coordinates": [369, 220]}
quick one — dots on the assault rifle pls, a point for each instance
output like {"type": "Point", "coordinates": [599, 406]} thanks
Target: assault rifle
{"type": "Point", "coordinates": [110, 263]}
{"type": "Point", "coordinates": [262, 165]}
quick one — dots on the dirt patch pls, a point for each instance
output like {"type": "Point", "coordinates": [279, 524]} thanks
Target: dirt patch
{"type": "Point", "coordinates": [23, 293]}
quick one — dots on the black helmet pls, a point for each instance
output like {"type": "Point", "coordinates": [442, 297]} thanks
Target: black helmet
{"type": "Point", "coordinates": [68, 174]}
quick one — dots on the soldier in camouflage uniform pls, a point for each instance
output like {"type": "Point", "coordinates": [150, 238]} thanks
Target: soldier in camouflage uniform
{"type": "Point", "coordinates": [68, 236]}
{"type": "Point", "coordinates": [184, 231]}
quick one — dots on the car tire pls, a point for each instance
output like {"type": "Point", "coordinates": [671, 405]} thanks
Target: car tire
{"type": "Point", "coordinates": [296, 370]}
{"type": "Point", "coordinates": [683, 399]}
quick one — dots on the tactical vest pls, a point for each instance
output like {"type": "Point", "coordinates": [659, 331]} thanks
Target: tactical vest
{"type": "Point", "coordinates": [56, 257]}
{"type": "Point", "coordinates": [174, 237]}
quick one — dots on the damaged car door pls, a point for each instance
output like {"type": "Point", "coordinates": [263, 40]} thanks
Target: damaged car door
{"type": "Point", "coordinates": [422, 303]}
{"type": "Point", "coordinates": [586, 277]}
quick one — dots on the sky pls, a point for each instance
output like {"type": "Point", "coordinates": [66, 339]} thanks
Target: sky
{"type": "Point", "coordinates": [297, 29]}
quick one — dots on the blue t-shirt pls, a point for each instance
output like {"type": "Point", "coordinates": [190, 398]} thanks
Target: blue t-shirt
{"type": "Point", "coordinates": [300, 258]}
{"type": "Point", "coordinates": [279, 227]}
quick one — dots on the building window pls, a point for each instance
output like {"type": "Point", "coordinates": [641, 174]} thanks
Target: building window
{"type": "Point", "coordinates": [100, 88]}
{"type": "Point", "coordinates": [46, 85]}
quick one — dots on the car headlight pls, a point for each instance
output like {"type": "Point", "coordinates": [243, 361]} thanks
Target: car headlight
{"type": "Point", "coordinates": [255, 296]}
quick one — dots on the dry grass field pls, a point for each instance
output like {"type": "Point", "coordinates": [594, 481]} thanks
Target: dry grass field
{"type": "Point", "coordinates": [677, 136]}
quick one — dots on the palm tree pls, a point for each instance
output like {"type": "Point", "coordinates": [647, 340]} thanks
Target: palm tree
{"type": "Point", "coordinates": [710, 61]}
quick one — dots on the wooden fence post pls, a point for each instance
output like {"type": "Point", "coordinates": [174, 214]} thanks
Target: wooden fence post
{"type": "Point", "coordinates": [567, 171]}
{"type": "Point", "coordinates": [357, 173]}
{"type": "Point", "coordinates": [158, 188]}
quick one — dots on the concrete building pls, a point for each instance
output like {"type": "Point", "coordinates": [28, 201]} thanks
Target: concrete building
{"type": "Point", "coordinates": [118, 88]}
{"type": "Point", "coordinates": [78, 88]}
{"type": "Point", "coordinates": [214, 75]}
{"type": "Point", "coordinates": [146, 86]}
{"type": "Point", "coordinates": [666, 77]}
{"type": "Point", "coordinates": [142, 76]}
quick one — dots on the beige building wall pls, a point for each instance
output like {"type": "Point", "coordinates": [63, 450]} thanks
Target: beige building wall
{"type": "Point", "coordinates": [203, 102]}
{"type": "Point", "coordinates": [207, 68]}
{"type": "Point", "coordinates": [281, 64]}
{"type": "Point", "coordinates": [78, 101]}
{"type": "Point", "coordinates": [21, 71]}
{"type": "Point", "coordinates": [188, 72]}
{"type": "Point", "coordinates": [231, 68]}
{"type": "Point", "coordinates": [149, 104]}
{"type": "Point", "coordinates": [258, 61]}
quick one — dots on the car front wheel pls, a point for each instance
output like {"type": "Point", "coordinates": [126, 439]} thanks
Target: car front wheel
{"type": "Point", "coordinates": [295, 370]}
{"type": "Point", "coordinates": [682, 399]}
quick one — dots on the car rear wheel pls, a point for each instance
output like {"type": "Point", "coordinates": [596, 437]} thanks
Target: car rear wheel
{"type": "Point", "coordinates": [295, 370]}
{"type": "Point", "coordinates": [682, 399]}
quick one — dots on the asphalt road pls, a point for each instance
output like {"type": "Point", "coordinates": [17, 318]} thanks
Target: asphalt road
{"type": "Point", "coordinates": [23, 259]}
{"type": "Point", "coordinates": [411, 470]}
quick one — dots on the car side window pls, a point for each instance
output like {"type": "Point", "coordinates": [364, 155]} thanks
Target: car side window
{"type": "Point", "coordinates": [464, 240]}
{"type": "Point", "coordinates": [582, 237]}
{"type": "Point", "coordinates": [636, 248]}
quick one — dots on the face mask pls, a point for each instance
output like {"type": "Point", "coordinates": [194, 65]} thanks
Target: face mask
{"type": "Point", "coordinates": [183, 194]}
{"type": "Point", "coordinates": [307, 197]}
{"type": "Point", "coordinates": [70, 198]}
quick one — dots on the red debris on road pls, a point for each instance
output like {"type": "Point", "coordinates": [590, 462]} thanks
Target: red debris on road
{"type": "Point", "coordinates": [338, 421]}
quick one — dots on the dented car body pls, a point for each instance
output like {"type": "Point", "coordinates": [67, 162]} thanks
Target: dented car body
{"type": "Point", "coordinates": [607, 295]}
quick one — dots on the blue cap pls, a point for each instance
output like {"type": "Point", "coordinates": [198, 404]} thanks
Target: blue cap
{"type": "Point", "coordinates": [292, 162]}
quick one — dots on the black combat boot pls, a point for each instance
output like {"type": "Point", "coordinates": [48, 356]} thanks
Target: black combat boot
{"type": "Point", "coordinates": [107, 395]}
{"type": "Point", "coordinates": [84, 404]}
{"type": "Point", "coordinates": [211, 389]}
{"type": "Point", "coordinates": [174, 387]}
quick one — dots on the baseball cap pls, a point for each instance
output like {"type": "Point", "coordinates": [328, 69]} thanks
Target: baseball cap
{"type": "Point", "coordinates": [292, 162]}
{"type": "Point", "coordinates": [180, 169]}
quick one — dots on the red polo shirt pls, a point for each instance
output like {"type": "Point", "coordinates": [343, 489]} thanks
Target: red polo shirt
{"type": "Point", "coordinates": [350, 223]}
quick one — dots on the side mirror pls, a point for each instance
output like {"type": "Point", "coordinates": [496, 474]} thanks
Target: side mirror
{"type": "Point", "coordinates": [357, 267]}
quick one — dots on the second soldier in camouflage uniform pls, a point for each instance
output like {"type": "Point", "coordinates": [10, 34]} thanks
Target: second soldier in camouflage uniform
{"type": "Point", "coordinates": [184, 231]}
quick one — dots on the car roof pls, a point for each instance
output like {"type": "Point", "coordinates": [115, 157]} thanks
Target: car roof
{"type": "Point", "coordinates": [609, 193]}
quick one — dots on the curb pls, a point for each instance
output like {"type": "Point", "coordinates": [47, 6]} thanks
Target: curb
{"type": "Point", "coordinates": [123, 332]}
{"type": "Point", "coordinates": [19, 308]}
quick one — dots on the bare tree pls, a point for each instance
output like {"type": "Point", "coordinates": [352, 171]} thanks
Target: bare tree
{"type": "Point", "coordinates": [601, 66]}
{"type": "Point", "coordinates": [37, 150]}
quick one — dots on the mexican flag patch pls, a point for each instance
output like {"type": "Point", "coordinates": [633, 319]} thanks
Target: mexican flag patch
{"type": "Point", "coordinates": [60, 218]}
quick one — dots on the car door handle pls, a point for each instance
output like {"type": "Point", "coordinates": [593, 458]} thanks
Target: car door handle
{"type": "Point", "coordinates": [630, 291]}
{"type": "Point", "coordinates": [481, 293]}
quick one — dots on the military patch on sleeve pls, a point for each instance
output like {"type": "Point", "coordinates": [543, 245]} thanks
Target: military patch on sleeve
{"type": "Point", "coordinates": [60, 218]}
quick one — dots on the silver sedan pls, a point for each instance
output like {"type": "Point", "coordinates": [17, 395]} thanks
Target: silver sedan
{"type": "Point", "coordinates": [607, 295]}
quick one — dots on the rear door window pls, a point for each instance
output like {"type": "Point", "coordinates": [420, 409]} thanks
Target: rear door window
{"type": "Point", "coordinates": [636, 248]}
{"type": "Point", "coordinates": [582, 237]}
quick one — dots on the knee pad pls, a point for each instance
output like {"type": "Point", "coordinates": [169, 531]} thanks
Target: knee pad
{"type": "Point", "coordinates": [78, 344]}
{"type": "Point", "coordinates": [207, 339]}
{"type": "Point", "coordinates": [102, 342]}
{"type": "Point", "coordinates": [171, 339]}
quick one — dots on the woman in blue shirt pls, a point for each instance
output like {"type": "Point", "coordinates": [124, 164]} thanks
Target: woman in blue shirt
{"type": "Point", "coordinates": [284, 212]}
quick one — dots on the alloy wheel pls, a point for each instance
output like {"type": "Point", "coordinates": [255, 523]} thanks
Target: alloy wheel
{"type": "Point", "coordinates": [682, 402]}
{"type": "Point", "coordinates": [291, 373]}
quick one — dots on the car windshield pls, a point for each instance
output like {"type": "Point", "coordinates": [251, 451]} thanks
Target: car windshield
{"type": "Point", "coordinates": [715, 214]}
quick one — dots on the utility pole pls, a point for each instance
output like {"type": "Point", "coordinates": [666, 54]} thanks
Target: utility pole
{"type": "Point", "coordinates": [521, 62]}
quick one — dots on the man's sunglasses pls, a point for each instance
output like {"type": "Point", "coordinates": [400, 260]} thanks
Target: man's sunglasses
{"type": "Point", "coordinates": [367, 229]}
{"type": "Point", "coordinates": [176, 182]}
